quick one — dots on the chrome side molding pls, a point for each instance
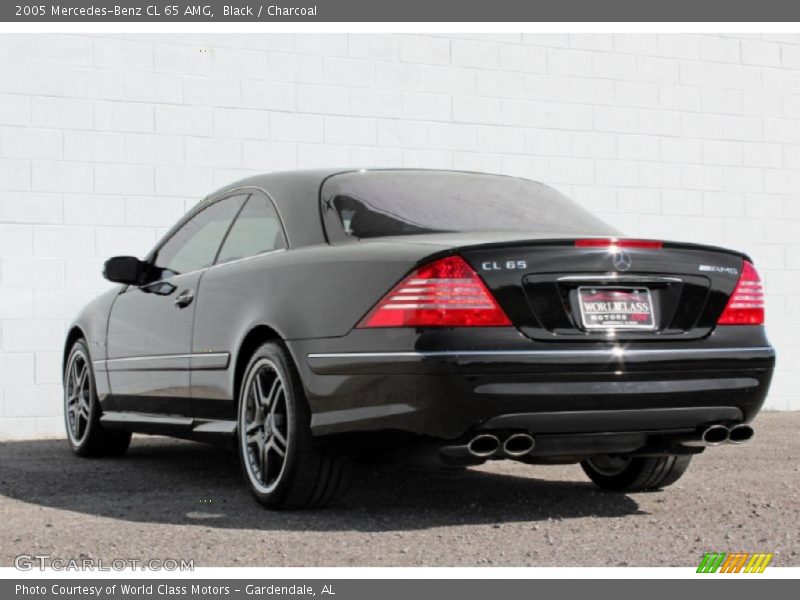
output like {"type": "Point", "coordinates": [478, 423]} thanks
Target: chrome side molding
{"type": "Point", "coordinates": [615, 352]}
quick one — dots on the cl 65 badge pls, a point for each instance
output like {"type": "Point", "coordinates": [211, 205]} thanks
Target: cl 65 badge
{"type": "Point", "coordinates": [509, 265]}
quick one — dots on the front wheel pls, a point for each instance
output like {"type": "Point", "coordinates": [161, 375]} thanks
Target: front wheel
{"type": "Point", "coordinates": [635, 474]}
{"type": "Point", "coordinates": [285, 467]}
{"type": "Point", "coordinates": [85, 434]}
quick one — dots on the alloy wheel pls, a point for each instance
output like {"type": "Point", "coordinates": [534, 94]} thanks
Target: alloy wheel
{"type": "Point", "coordinates": [78, 396]}
{"type": "Point", "coordinates": [264, 426]}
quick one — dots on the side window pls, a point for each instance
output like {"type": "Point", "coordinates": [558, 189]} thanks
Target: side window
{"type": "Point", "coordinates": [257, 230]}
{"type": "Point", "coordinates": [195, 245]}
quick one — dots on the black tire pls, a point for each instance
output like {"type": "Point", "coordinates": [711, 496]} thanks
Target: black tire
{"type": "Point", "coordinates": [85, 435]}
{"type": "Point", "coordinates": [636, 474]}
{"type": "Point", "coordinates": [307, 475]}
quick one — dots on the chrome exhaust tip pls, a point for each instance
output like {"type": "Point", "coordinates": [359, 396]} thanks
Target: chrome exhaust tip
{"type": "Point", "coordinates": [715, 435]}
{"type": "Point", "coordinates": [741, 434]}
{"type": "Point", "coordinates": [484, 445]}
{"type": "Point", "coordinates": [518, 444]}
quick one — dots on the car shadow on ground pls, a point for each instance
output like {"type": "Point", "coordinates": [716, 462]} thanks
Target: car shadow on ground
{"type": "Point", "coordinates": [174, 482]}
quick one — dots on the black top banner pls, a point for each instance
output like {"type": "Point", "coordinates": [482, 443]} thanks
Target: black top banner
{"type": "Point", "coordinates": [175, 11]}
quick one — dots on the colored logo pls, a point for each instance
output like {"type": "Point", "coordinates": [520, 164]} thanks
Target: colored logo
{"type": "Point", "coordinates": [734, 562]}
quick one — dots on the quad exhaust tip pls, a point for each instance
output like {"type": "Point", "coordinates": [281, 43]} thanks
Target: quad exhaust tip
{"type": "Point", "coordinates": [484, 445]}
{"type": "Point", "coordinates": [719, 434]}
{"type": "Point", "coordinates": [715, 435]}
{"type": "Point", "coordinates": [740, 434]}
{"type": "Point", "coordinates": [518, 444]}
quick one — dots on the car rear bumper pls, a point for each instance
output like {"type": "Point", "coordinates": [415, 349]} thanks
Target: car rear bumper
{"type": "Point", "coordinates": [534, 387]}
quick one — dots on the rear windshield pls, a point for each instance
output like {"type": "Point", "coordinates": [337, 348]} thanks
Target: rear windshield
{"type": "Point", "coordinates": [371, 204]}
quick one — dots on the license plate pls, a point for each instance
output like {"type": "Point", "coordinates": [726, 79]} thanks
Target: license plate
{"type": "Point", "coordinates": [616, 308]}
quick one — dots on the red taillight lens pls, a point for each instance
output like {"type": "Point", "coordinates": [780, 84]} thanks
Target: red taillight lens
{"type": "Point", "coordinates": [746, 304]}
{"type": "Point", "coordinates": [617, 243]}
{"type": "Point", "coordinates": [445, 293]}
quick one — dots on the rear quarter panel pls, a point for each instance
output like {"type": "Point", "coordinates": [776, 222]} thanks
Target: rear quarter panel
{"type": "Point", "coordinates": [313, 292]}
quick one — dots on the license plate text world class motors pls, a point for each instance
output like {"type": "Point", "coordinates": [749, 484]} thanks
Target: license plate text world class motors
{"type": "Point", "coordinates": [616, 308]}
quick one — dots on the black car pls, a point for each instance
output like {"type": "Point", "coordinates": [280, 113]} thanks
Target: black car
{"type": "Point", "coordinates": [312, 316]}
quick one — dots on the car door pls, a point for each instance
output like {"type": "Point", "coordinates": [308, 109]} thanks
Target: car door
{"type": "Point", "coordinates": [150, 325]}
{"type": "Point", "coordinates": [232, 300]}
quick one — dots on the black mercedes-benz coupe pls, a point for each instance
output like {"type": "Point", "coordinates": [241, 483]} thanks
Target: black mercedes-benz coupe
{"type": "Point", "coordinates": [311, 316]}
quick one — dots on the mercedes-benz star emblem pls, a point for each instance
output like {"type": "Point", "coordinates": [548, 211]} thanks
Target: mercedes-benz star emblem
{"type": "Point", "coordinates": [622, 261]}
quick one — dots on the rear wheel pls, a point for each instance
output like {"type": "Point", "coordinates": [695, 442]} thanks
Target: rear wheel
{"type": "Point", "coordinates": [635, 474]}
{"type": "Point", "coordinates": [285, 467]}
{"type": "Point", "coordinates": [85, 434]}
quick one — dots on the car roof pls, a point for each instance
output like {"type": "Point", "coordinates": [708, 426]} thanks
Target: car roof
{"type": "Point", "coordinates": [265, 180]}
{"type": "Point", "coordinates": [317, 176]}
{"type": "Point", "coordinates": [296, 197]}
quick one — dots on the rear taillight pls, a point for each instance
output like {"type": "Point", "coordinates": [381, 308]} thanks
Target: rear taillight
{"type": "Point", "coordinates": [444, 293]}
{"type": "Point", "coordinates": [746, 304]}
{"type": "Point", "coordinates": [617, 243]}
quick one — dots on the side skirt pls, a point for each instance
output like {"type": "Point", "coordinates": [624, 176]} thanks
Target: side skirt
{"type": "Point", "coordinates": [182, 427]}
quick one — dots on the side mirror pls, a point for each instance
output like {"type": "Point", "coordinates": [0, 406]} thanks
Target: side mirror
{"type": "Point", "coordinates": [124, 269]}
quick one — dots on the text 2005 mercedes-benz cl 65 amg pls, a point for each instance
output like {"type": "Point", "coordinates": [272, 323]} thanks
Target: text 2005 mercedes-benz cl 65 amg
{"type": "Point", "coordinates": [312, 316]}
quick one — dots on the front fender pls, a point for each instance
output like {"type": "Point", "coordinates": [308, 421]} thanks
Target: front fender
{"type": "Point", "coordinates": [92, 325]}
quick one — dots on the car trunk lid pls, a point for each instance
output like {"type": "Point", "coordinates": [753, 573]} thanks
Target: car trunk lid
{"type": "Point", "coordinates": [561, 289]}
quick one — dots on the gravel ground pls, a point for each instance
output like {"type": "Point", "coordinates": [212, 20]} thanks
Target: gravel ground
{"type": "Point", "coordinates": [176, 499]}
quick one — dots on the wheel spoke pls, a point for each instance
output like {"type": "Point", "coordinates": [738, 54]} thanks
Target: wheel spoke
{"type": "Point", "coordinates": [280, 449]}
{"type": "Point", "coordinates": [274, 390]}
{"type": "Point", "coordinates": [279, 441]}
{"type": "Point", "coordinates": [83, 392]}
{"type": "Point", "coordinates": [254, 437]}
{"type": "Point", "coordinates": [279, 393]}
{"type": "Point", "coordinates": [73, 375]}
{"type": "Point", "coordinates": [258, 390]}
{"type": "Point", "coordinates": [83, 376]}
{"type": "Point", "coordinates": [265, 463]}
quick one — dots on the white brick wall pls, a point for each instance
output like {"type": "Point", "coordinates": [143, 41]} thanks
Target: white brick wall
{"type": "Point", "coordinates": [106, 140]}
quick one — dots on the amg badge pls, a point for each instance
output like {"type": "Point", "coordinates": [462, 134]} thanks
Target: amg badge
{"type": "Point", "coordinates": [715, 269]}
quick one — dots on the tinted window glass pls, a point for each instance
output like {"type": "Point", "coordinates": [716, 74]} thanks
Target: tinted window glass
{"type": "Point", "coordinates": [256, 230]}
{"type": "Point", "coordinates": [195, 245]}
{"type": "Point", "coordinates": [387, 203]}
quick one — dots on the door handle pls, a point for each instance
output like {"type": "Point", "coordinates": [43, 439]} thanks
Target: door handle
{"type": "Point", "coordinates": [184, 298]}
